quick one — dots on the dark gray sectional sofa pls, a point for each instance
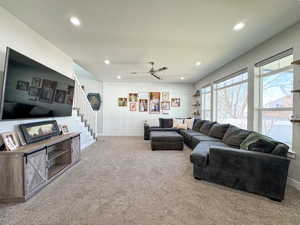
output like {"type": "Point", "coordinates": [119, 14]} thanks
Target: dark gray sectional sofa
{"type": "Point", "coordinates": [262, 168]}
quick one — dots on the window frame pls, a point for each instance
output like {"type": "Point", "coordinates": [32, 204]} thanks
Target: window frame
{"type": "Point", "coordinates": [203, 110]}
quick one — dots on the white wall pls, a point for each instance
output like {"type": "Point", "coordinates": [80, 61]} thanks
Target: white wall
{"type": "Point", "coordinates": [120, 121]}
{"type": "Point", "coordinates": [91, 85]}
{"type": "Point", "coordinates": [290, 38]}
{"type": "Point", "coordinates": [20, 37]}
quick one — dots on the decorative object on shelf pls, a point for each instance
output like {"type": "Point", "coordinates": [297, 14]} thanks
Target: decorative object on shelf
{"type": "Point", "coordinates": [296, 62]}
{"type": "Point", "coordinates": [38, 131]}
{"type": "Point", "coordinates": [21, 137]}
{"type": "Point", "coordinates": [295, 118]}
{"type": "Point", "coordinates": [165, 105]}
{"type": "Point", "coordinates": [165, 96]}
{"type": "Point", "coordinates": [154, 103]}
{"type": "Point", "coordinates": [133, 97]}
{"type": "Point", "coordinates": [197, 94]}
{"type": "Point", "coordinates": [22, 85]}
{"type": "Point", "coordinates": [10, 140]}
{"type": "Point", "coordinates": [175, 102]}
{"type": "Point", "coordinates": [95, 100]}
{"type": "Point", "coordinates": [48, 90]}
{"type": "Point", "coordinates": [60, 96]}
{"type": "Point", "coordinates": [143, 105]}
{"type": "Point", "coordinates": [122, 102]}
{"type": "Point", "coordinates": [132, 107]}
{"type": "Point", "coordinates": [65, 129]}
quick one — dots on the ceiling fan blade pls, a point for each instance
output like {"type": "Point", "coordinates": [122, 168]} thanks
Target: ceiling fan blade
{"type": "Point", "coordinates": [157, 77]}
{"type": "Point", "coordinates": [161, 69]}
{"type": "Point", "coordinates": [134, 73]}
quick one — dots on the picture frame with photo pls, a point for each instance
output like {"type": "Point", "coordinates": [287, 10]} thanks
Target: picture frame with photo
{"type": "Point", "coordinates": [34, 91]}
{"type": "Point", "coordinates": [22, 85]}
{"type": "Point", "coordinates": [48, 91]}
{"type": "Point", "coordinates": [65, 129]}
{"type": "Point", "coordinates": [133, 107]}
{"type": "Point", "coordinates": [143, 105]}
{"type": "Point", "coordinates": [10, 140]}
{"type": "Point", "coordinates": [175, 102]}
{"type": "Point", "coordinates": [60, 96]}
{"type": "Point", "coordinates": [154, 102]}
{"type": "Point", "coordinates": [133, 97]}
{"type": "Point", "coordinates": [165, 105]}
{"type": "Point", "coordinates": [36, 82]}
{"type": "Point", "coordinates": [122, 102]}
{"type": "Point", "coordinates": [165, 96]}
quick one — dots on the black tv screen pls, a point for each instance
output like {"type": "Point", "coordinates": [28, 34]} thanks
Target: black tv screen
{"type": "Point", "coordinates": [32, 90]}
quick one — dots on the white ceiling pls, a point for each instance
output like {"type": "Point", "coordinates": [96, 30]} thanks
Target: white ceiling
{"type": "Point", "coordinates": [173, 33]}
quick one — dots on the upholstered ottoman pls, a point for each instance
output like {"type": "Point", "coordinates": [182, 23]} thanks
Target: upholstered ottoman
{"type": "Point", "coordinates": [166, 140]}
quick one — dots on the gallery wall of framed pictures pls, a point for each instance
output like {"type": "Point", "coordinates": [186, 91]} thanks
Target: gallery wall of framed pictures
{"type": "Point", "coordinates": [151, 102]}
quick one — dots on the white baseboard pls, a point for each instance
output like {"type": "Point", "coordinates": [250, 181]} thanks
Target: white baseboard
{"type": "Point", "coordinates": [87, 145]}
{"type": "Point", "coordinates": [294, 183]}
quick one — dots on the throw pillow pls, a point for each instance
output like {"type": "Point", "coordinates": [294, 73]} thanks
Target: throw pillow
{"type": "Point", "coordinates": [250, 139]}
{"type": "Point", "coordinates": [198, 123]}
{"type": "Point", "coordinates": [165, 123]}
{"type": "Point", "coordinates": [262, 145]}
{"type": "Point", "coordinates": [234, 136]}
{"type": "Point", "coordinates": [182, 126]}
{"type": "Point", "coordinates": [281, 149]}
{"type": "Point", "coordinates": [177, 123]}
{"type": "Point", "coordinates": [189, 123]}
{"type": "Point", "coordinates": [205, 128]}
{"type": "Point", "coordinates": [218, 130]}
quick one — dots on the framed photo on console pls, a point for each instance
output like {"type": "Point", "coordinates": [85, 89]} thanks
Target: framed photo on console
{"type": "Point", "coordinates": [10, 140]}
{"type": "Point", "coordinates": [34, 132]}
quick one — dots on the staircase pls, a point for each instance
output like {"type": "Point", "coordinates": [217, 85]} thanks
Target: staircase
{"type": "Point", "coordinates": [82, 108]}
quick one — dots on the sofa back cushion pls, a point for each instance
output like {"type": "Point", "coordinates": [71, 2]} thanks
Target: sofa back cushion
{"type": "Point", "coordinates": [234, 136]}
{"type": "Point", "coordinates": [262, 145]}
{"type": "Point", "coordinates": [165, 123]}
{"type": "Point", "coordinates": [205, 128]}
{"type": "Point", "coordinates": [218, 130]}
{"type": "Point", "coordinates": [198, 123]}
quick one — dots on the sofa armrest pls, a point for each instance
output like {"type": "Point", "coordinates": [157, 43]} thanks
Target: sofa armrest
{"type": "Point", "coordinates": [255, 170]}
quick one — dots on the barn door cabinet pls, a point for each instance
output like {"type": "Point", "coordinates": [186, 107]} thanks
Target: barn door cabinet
{"type": "Point", "coordinates": [25, 171]}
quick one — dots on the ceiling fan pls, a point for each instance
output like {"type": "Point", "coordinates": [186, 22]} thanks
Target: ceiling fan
{"type": "Point", "coordinates": [153, 71]}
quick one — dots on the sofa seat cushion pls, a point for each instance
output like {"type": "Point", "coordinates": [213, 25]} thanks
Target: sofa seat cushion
{"type": "Point", "coordinates": [189, 132]}
{"type": "Point", "coordinates": [205, 128]}
{"type": "Point", "coordinates": [197, 139]}
{"type": "Point", "coordinates": [200, 154]}
{"type": "Point", "coordinates": [165, 136]}
{"type": "Point", "coordinates": [163, 129]}
{"type": "Point", "coordinates": [234, 136]}
{"type": "Point", "coordinates": [218, 130]}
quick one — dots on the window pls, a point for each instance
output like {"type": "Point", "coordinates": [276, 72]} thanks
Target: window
{"type": "Point", "coordinates": [232, 99]}
{"type": "Point", "coordinates": [206, 103]}
{"type": "Point", "coordinates": [276, 100]}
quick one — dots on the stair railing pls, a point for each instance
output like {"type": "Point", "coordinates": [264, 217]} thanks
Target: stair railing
{"type": "Point", "coordinates": [84, 108]}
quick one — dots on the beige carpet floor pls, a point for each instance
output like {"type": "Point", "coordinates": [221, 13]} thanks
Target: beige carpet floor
{"type": "Point", "coordinates": [121, 181]}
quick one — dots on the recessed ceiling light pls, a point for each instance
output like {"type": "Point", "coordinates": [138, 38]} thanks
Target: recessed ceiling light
{"type": "Point", "coordinates": [198, 63]}
{"type": "Point", "coordinates": [181, 78]}
{"type": "Point", "coordinates": [239, 26]}
{"type": "Point", "coordinates": [119, 77]}
{"type": "Point", "coordinates": [75, 21]}
{"type": "Point", "coordinates": [107, 62]}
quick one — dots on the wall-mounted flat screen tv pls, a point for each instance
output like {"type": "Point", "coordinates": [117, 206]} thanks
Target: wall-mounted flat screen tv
{"type": "Point", "coordinates": [32, 90]}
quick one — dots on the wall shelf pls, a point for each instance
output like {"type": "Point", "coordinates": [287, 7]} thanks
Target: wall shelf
{"type": "Point", "coordinates": [297, 62]}
{"type": "Point", "coordinates": [196, 105]}
{"type": "Point", "coordinates": [295, 121]}
{"type": "Point", "coordinates": [196, 95]}
{"type": "Point", "coordinates": [295, 91]}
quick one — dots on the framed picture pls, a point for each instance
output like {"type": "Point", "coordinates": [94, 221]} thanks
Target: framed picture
{"type": "Point", "coordinates": [154, 102]}
{"type": "Point", "coordinates": [122, 102]}
{"type": "Point", "coordinates": [10, 140]}
{"type": "Point", "coordinates": [65, 129]}
{"type": "Point", "coordinates": [60, 96]}
{"type": "Point", "coordinates": [165, 96]}
{"type": "Point", "coordinates": [165, 105]}
{"type": "Point", "coordinates": [38, 131]}
{"type": "Point", "coordinates": [22, 85]}
{"type": "Point", "coordinates": [133, 97]}
{"type": "Point", "coordinates": [70, 90]}
{"type": "Point", "coordinates": [47, 91]}
{"type": "Point", "coordinates": [70, 100]}
{"type": "Point", "coordinates": [34, 91]}
{"type": "Point", "coordinates": [143, 105]}
{"type": "Point", "coordinates": [132, 107]}
{"type": "Point", "coordinates": [95, 100]}
{"type": "Point", "coordinates": [36, 82]}
{"type": "Point", "coordinates": [175, 102]}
